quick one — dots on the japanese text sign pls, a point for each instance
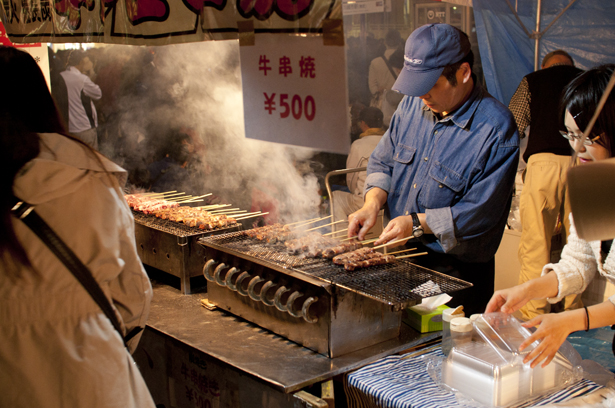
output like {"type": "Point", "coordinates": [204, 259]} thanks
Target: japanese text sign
{"type": "Point", "coordinates": [294, 92]}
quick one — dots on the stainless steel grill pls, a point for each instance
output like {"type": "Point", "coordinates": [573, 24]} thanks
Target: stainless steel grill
{"type": "Point", "coordinates": [311, 300]}
{"type": "Point", "coordinates": [391, 283]}
{"type": "Point", "coordinates": [172, 247]}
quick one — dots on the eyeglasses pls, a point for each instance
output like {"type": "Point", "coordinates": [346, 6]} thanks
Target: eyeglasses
{"type": "Point", "coordinates": [571, 136]}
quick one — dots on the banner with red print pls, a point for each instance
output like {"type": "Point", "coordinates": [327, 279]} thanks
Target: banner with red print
{"type": "Point", "coordinates": [159, 22]}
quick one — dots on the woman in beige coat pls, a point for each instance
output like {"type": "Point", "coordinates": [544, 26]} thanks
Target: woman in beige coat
{"type": "Point", "coordinates": [57, 348]}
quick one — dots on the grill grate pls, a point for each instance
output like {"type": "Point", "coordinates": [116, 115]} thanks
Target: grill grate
{"type": "Point", "coordinates": [392, 283]}
{"type": "Point", "coordinates": [176, 228]}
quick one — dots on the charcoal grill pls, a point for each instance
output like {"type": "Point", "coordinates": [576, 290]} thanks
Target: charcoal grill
{"type": "Point", "coordinates": [312, 301]}
{"type": "Point", "coordinates": [172, 246]}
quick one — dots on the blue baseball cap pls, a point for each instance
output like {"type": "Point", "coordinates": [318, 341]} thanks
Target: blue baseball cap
{"type": "Point", "coordinates": [428, 50]}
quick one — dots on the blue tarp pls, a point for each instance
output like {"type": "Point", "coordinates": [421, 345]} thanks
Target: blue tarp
{"type": "Point", "coordinates": [586, 31]}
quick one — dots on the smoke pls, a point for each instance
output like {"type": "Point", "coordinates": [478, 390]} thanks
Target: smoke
{"type": "Point", "coordinates": [196, 88]}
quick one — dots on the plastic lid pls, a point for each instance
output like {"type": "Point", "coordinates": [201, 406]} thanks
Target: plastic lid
{"type": "Point", "coordinates": [461, 324]}
{"type": "Point", "coordinates": [447, 314]}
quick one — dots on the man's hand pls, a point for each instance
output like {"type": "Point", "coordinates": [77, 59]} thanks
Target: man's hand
{"type": "Point", "coordinates": [360, 222]}
{"type": "Point", "coordinates": [400, 227]}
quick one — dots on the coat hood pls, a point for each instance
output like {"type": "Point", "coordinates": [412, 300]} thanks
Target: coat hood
{"type": "Point", "coordinates": [61, 168]}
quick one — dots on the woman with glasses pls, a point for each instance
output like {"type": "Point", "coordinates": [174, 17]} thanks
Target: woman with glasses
{"type": "Point", "coordinates": [580, 260]}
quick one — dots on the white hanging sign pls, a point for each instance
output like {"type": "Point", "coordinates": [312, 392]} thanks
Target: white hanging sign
{"type": "Point", "coordinates": [294, 92]}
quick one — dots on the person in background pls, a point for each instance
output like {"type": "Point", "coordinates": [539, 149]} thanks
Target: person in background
{"type": "Point", "coordinates": [446, 165]}
{"type": "Point", "coordinates": [370, 121]}
{"type": "Point", "coordinates": [381, 76]}
{"type": "Point", "coordinates": [58, 349]}
{"type": "Point", "coordinates": [391, 98]}
{"type": "Point", "coordinates": [81, 90]}
{"type": "Point", "coordinates": [580, 260]}
{"type": "Point", "coordinates": [543, 202]}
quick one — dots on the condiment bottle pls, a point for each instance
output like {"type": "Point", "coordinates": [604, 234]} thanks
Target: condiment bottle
{"type": "Point", "coordinates": [461, 331]}
{"type": "Point", "coordinates": [447, 316]}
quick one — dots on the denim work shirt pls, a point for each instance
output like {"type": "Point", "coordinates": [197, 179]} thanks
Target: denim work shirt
{"type": "Point", "coordinates": [458, 170]}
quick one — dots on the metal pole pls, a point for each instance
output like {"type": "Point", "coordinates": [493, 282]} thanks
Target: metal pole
{"type": "Point", "coordinates": [537, 36]}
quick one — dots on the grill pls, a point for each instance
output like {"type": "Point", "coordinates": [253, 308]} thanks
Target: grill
{"type": "Point", "coordinates": [310, 300]}
{"type": "Point", "coordinates": [172, 247]}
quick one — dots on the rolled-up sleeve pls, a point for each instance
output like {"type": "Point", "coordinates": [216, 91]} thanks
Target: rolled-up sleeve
{"type": "Point", "coordinates": [576, 267]}
{"type": "Point", "coordinates": [380, 165]}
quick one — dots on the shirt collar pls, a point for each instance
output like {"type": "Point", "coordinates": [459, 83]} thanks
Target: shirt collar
{"type": "Point", "coordinates": [464, 113]}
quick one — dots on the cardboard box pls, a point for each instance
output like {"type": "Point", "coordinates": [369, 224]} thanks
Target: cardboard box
{"type": "Point", "coordinates": [424, 321]}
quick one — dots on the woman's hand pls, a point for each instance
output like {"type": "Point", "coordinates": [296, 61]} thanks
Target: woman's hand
{"type": "Point", "coordinates": [512, 299]}
{"type": "Point", "coordinates": [508, 300]}
{"type": "Point", "coordinates": [553, 329]}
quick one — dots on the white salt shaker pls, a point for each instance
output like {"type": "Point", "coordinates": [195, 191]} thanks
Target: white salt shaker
{"type": "Point", "coordinates": [447, 316]}
{"type": "Point", "coordinates": [461, 331]}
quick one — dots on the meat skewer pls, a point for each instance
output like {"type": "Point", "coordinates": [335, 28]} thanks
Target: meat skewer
{"type": "Point", "coordinates": [380, 260]}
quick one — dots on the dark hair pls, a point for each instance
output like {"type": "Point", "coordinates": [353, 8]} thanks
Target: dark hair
{"type": "Point", "coordinates": [450, 70]}
{"type": "Point", "coordinates": [554, 53]}
{"type": "Point", "coordinates": [393, 39]}
{"type": "Point", "coordinates": [372, 116]}
{"type": "Point", "coordinates": [26, 108]}
{"type": "Point", "coordinates": [396, 60]}
{"type": "Point", "coordinates": [75, 57]}
{"type": "Point", "coordinates": [581, 97]}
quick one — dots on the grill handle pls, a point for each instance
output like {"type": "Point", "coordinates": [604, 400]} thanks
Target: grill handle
{"type": "Point", "coordinates": [207, 270]}
{"type": "Point", "coordinates": [251, 292]}
{"type": "Point", "coordinates": [289, 304]}
{"type": "Point", "coordinates": [239, 282]}
{"type": "Point", "coordinates": [229, 278]}
{"type": "Point", "coordinates": [264, 291]}
{"type": "Point", "coordinates": [217, 273]}
{"type": "Point", "coordinates": [306, 307]}
{"type": "Point", "coordinates": [277, 299]}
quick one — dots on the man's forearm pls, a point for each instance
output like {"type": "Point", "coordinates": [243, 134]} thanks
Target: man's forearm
{"type": "Point", "coordinates": [375, 198]}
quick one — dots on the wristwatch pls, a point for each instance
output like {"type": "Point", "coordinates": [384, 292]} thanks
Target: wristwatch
{"type": "Point", "coordinates": [417, 229]}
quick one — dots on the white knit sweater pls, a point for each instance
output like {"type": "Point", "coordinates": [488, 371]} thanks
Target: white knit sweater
{"type": "Point", "coordinates": [578, 265]}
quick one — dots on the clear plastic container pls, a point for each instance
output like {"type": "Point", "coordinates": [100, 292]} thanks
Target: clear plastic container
{"type": "Point", "coordinates": [475, 335]}
{"type": "Point", "coordinates": [461, 331]}
{"type": "Point", "coordinates": [447, 316]}
{"type": "Point", "coordinates": [491, 371]}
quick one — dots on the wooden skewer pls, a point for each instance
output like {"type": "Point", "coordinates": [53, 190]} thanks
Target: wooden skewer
{"type": "Point", "coordinates": [411, 255]}
{"type": "Point", "coordinates": [334, 232]}
{"type": "Point", "coordinates": [226, 210]}
{"type": "Point", "coordinates": [212, 206]}
{"type": "Point", "coordinates": [393, 242]}
{"type": "Point", "coordinates": [311, 222]}
{"type": "Point", "coordinates": [195, 199]}
{"type": "Point", "coordinates": [326, 225]}
{"type": "Point", "coordinates": [369, 241]}
{"type": "Point", "coordinates": [251, 216]}
{"type": "Point", "coordinates": [403, 250]}
{"type": "Point", "coordinates": [166, 192]}
{"type": "Point", "coordinates": [348, 239]}
{"type": "Point", "coordinates": [421, 351]}
{"type": "Point", "coordinates": [176, 199]}
{"type": "Point", "coordinates": [304, 221]}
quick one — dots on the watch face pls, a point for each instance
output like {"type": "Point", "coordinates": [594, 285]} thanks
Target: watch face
{"type": "Point", "coordinates": [417, 232]}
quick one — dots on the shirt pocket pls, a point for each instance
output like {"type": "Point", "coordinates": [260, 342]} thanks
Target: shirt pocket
{"type": "Point", "coordinates": [403, 157]}
{"type": "Point", "coordinates": [442, 187]}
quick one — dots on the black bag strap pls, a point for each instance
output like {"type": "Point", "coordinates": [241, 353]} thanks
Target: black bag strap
{"type": "Point", "coordinates": [386, 61]}
{"type": "Point", "coordinates": [26, 213]}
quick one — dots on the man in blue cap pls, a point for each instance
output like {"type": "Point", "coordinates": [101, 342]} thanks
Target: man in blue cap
{"type": "Point", "coordinates": [446, 166]}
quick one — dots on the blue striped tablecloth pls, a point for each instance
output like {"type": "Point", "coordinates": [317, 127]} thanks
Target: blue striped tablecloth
{"type": "Point", "coordinates": [393, 382]}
